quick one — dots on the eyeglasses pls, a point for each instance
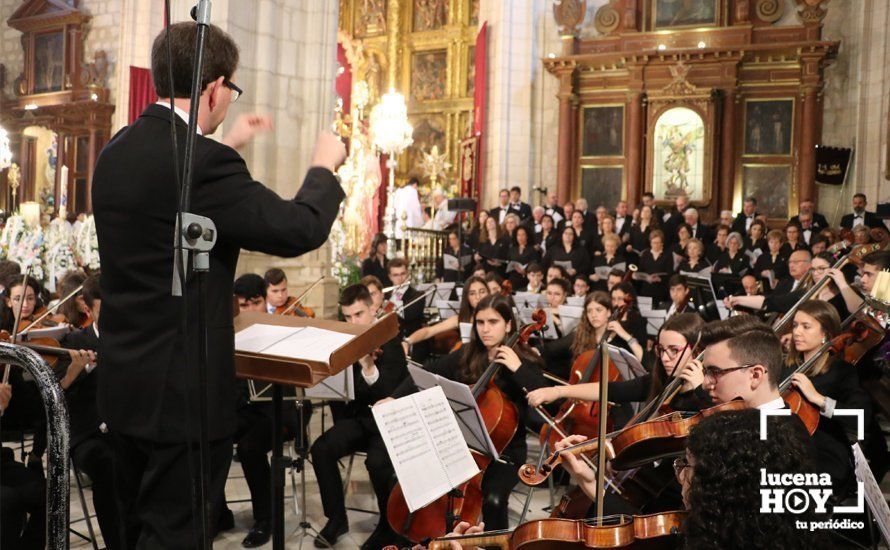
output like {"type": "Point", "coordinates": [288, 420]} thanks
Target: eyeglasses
{"type": "Point", "coordinates": [672, 351]}
{"type": "Point", "coordinates": [236, 91]}
{"type": "Point", "coordinates": [714, 373]}
{"type": "Point", "coordinates": [680, 464]}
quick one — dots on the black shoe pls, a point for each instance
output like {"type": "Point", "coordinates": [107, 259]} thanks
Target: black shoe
{"type": "Point", "coordinates": [225, 521]}
{"type": "Point", "coordinates": [333, 530]}
{"type": "Point", "coordinates": [383, 536]}
{"type": "Point", "coordinates": [259, 534]}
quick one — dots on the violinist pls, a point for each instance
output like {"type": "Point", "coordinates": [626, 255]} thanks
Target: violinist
{"type": "Point", "coordinates": [20, 305]}
{"type": "Point", "coordinates": [494, 282]}
{"type": "Point", "coordinates": [91, 448]}
{"type": "Point", "coordinates": [474, 290]}
{"type": "Point", "coordinates": [75, 311]}
{"type": "Point", "coordinates": [680, 296]}
{"type": "Point", "coordinates": [751, 285]}
{"type": "Point", "coordinates": [535, 275]}
{"type": "Point", "coordinates": [411, 318]}
{"type": "Point", "coordinates": [354, 429]}
{"type": "Point", "coordinates": [493, 324]}
{"type": "Point", "coordinates": [557, 292]}
{"type": "Point", "coordinates": [724, 511]}
{"type": "Point", "coordinates": [831, 383]}
{"type": "Point", "coordinates": [376, 262]}
{"type": "Point", "coordinates": [375, 289]}
{"type": "Point", "coordinates": [743, 359]}
{"type": "Point", "coordinates": [674, 353]}
{"type": "Point", "coordinates": [277, 299]}
{"type": "Point", "coordinates": [632, 321]}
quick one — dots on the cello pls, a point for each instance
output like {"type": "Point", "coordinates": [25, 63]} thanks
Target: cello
{"type": "Point", "coordinates": [501, 421]}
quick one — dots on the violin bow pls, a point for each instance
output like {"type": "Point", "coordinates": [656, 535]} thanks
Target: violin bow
{"type": "Point", "coordinates": [301, 296]}
{"type": "Point", "coordinates": [15, 322]}
{"type": "Point", "coordinates": [50, 311]}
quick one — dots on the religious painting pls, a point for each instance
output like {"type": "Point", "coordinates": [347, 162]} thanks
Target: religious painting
{"type": "Point", "coordinates": [370, 18]}
{"type": "Point", "coordinates": [471, 71]}
{"type": "Point", "coordinates": [49, 62]}
{"type": "Point", "coordinates": [428, 131]}
{"type": "Point", "coordinates": [474, 12]}
{"type": "Point", "coordinates": [603, 131]}
{"type": "Point", "coordinates": [428, 70]}
{"type": "Point", "coordinates": [668, 14]}
{"type": "Point", "coordinates": [430, 14]}
{"type": "Point", "coordinates": [770, 184]}
{"type": "Point", "coordinates": [602, 185]}
{"type": "Point", "coordinates": [678, 166]}
{"type": "Point", "coordinates": [768, 126]}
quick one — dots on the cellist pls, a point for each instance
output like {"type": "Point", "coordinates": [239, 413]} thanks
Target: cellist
{"type": "Point", "coordinates": [493, 324]}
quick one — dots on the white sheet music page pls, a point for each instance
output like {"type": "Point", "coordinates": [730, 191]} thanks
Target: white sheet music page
{"type": "Point", "coordinates": [310, 343]}
{"type": "Point", "coordinates": [425, 446]}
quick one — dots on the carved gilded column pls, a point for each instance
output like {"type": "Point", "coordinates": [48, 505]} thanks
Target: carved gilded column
{"type": "Point", "coordinates": [727, 153]}
{"type": "Point", "coordinates": [635, 182]}
{"type": "Point", "coordinates": [392, 38]}
{"type": "Point", "coordinates": [808, 140]}
{"type": "Point", "coordinates": [566, 133]}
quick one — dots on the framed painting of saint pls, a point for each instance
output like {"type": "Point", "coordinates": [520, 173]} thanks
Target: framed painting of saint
{"type": "Point", "coordinates": [49, 62]}
{"type": "Point", "coordinates": [602, 185]}
{"type": "Point", "coordinates": [769, 126]}
{"type": "Point", "coordinates": [678, 149]}
{"type": "Point", "coordinates": [671, 14]}
{"type": "Point", "coordinates": [602, 131]}
{"type": "Point", "coordinates": [428, 70]}
{"type": "Point", "coordinates": [771, 184]}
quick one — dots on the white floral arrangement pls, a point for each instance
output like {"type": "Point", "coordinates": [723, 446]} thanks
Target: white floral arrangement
{"type": "Point", "coordinates": [86, 247]}
{"type": "Point", "coordinates": [27, 248]}
{"type": "Point", "coordinates": [59, 252]}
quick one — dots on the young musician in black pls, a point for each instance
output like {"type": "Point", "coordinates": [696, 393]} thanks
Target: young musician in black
{"type": "Point", "coordinates": [90, 444]}
{"type": "Point", "coordinates": [148, 391]}
{"type": "Point", "coordinates": [375, 264]}
{"type": "Point", "coordinates": [375, 377]}
{"type": "Point", "coordinates": [519, 372]}
{"type": "Point", "coordinates": [411, 317]}
{"type": "Point", "coordinates": [680, 293]}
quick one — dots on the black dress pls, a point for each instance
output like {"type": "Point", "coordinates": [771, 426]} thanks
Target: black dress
{"type": "Point", "coordinates": [524, 257]}
{"type": "Point", "coordinates": [578, 256]}
{"type": "Point", "coordinates": [688, 267]}
{"type": "Point", "coordinates": [778, 264]}
{"type": "Point", "coordinates": [371, 266]}
{"type": "Point", "coordinates": [500, 477]}
{"type": "Point", "coordinates": [546, 243]}
{"type": "Point", "coordinates": [454, 275]}
{"type": "Point", "coordinates": [639, 238]}
{"type": "Point", "coordinates": [496, 251]}
{"type": "Point", "coordinates": [601, 261]}
{"type": "Point", "coordinates": [787, 249]}
{"type": "Point", "coordinates": [738, 265]}
{"type": "Point", "coordinates": [664, 264]}
{"type": "Point", "coordinates": [713, 252]}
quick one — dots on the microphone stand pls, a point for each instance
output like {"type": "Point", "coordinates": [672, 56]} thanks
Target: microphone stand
{"type": "Point", "coordinates": [194, 239]}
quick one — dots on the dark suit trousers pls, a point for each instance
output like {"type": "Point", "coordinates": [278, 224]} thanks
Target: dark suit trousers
{"type": "Point", "coordinates": [22, 505]}
{"type": "Point", "coordinates": [498, 481]}
{"type": "Point", "coordinates": [155, 492]}
{"type": "Point", "coordinates": [254, 441]}
{"type": "Point", "coordinates": [345, 437]}
{"type": "Point", "coordinates": [94, 457]}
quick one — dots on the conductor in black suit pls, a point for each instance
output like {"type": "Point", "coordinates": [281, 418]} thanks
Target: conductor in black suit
{"type": "Point", "coordinates": [148, 392]}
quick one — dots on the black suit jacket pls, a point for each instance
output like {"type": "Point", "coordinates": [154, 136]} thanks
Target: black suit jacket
{"type": "Point", "coordinates": [523, 210]}
{"type": "Point", "coordinates": [819, 221]}
{"type": "Point", "coordinates": [142, 392]}
{"type": "Point", "coordinates": [703, 233]}
{"type": "Point", "coordinates": [392, 366]}
{"type": "Point", "coordinates": [625, 229]}
{"type": "Point", "coordinates": [496, 212]}
{"type": "Point", "coordinates": [869, 218]}
{"type": "Point", "coordinates": [412, 316]}
{"type": "Point", "coordinates": [738, 224]}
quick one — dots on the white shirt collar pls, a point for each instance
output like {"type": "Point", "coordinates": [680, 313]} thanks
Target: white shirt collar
{"type": "Point", "coordinates": [181, 113]}
{"type": "Point", "coordinates": [95, 326]}
{"type": "Point", "coordinates": [775, 404]}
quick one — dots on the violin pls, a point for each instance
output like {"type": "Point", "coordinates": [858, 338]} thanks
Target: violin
{"type": "Point", "coordinates": [293, 308]}
{"type": "Point", "coordinates": [48, 348]}
{"type": "Point", "coordinates": [649, 531]}
{"type": "Point", "coordinates": [577, 416]}
{"type": "Point", "coordinates": [501, 421]}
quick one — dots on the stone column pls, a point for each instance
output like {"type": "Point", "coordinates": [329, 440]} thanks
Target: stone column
{"type": "Point", "coordinates": [808, 140]}
{"type": "Point", "coordinates": [566, 135]}
{"type": "Point", "coordinates": [634, 144]}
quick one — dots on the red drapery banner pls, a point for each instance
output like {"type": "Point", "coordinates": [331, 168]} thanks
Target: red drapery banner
{"type": "Point", "coordinates": [480, 96]}
{"type": "Point", "coordinates": [142, 91]}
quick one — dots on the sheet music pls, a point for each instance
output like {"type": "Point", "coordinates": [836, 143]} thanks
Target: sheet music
{"type": "Point", "coordinates": [603, 271]}
{"type": "Point", "coordinates": [447, 309]}
{"type": "Point", "coordinates": [718, 301]}
{"type": "Point", "coordinates": [571, 317]}
{"type": "Point", "coordinates": [425, 444]}
{"type": "Point", "coordinates": [450, 262]}
{"type": "Point", "coordinates": [874, 497]}
{"type": "Point", "coordinates": [626, 363]}
{"type": "Point", "coordinates": [310, 343]}
{"type": "Point", "coordinates": [339, 387]}
{"type": "Point", "coordinates": [442, 292]}
{"type": "Point", "coordinates": [678, 259]}
{"type": "Point", "coordinates": [703, 273]}
{"type": "Point", "coordinates": [466, 329]}
{"type": "Point", "coordinates": [577, 301]}
{"type": "Point", "coordinates": [516, 266]}
{"type": "Point", "coordinates": [565, 264]}
{"type": "Point", "coordinates": [528, 299]}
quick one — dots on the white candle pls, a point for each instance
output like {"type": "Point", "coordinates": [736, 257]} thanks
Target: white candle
{"type": "Point", "coordinates": [63, 193]}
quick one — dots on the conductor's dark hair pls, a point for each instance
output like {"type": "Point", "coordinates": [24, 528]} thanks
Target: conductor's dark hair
{"type": "Point", "coordinates": [220, 58]}
{"type": "Point", "coordinates": [275, 276]}
{"type": "Point", "coordinates": [728, 457]}
{"type": "Point", "coordinates": [355, 293]}
{"type": "Point", "coordinates": [249, 285]}
{"type": "Point", "coordinates": [91, 291]}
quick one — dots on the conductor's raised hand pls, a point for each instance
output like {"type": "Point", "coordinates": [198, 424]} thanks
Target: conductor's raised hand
{"type": "Point", "coordinates": [329, 151]}
{"type": "Point", "coordinates": [244, 129]}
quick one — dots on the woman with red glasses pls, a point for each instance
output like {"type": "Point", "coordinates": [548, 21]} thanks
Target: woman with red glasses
{"type": "Point", "coordinates": [675, 352]}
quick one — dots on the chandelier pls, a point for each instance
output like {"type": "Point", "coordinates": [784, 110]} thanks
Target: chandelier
{"type": "Point", "coordinates": [392, 134]}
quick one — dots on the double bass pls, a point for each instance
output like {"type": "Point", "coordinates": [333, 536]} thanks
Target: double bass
{"type": "Point", "coordinates": [501, 421]}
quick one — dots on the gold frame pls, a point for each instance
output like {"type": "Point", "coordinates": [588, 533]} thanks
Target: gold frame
{"type": "Point", "coordinates": [652, 8]}
{"type": "Point", "coordinates": [791, 138]}
{"type": "Point", "coordinates": [582, 110]}
{"type": "Point", "coordinates": [791, 187]}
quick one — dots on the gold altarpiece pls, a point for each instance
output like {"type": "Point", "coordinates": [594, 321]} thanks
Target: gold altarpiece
{"type": "Point", "coordinates": [706, 97]}
{"type": "Point", "coordinates": [423, 49]}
